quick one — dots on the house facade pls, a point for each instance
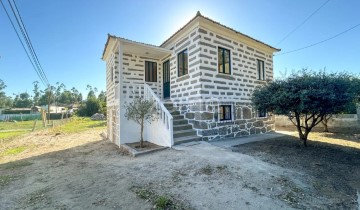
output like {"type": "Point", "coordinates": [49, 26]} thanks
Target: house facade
{"type": "Point", "coordinates": [201, 78]}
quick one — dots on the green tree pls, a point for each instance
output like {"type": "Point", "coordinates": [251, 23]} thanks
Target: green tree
{"type": "Point", "coordinates": [23, 100]}
{"type": "Point", "coordinates": [66, 97]}
{"type": "Point", "coordinates": [102, 102]}
{"type": "Point", "coordinates": [140, 110]}
{"type": "Point", "coordinates": [307, 96]}
{"type": "Point", "coordinates": [36, 92]}
{"type": "Point", "coordinates": [5, 101]}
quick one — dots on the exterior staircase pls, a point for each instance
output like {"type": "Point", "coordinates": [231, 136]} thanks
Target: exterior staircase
{"type": "Point", "coordinates": [182, 130]}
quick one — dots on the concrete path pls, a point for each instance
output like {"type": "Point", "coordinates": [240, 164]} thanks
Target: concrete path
{"type": "Point", "coordinates": [231, 142]}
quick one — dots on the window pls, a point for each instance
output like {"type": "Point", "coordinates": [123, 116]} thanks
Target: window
{"type": "Point", "coordinates": [224, 112]}
{"type": "Point", "coordinates": [183, 63]}
{"type": "Point", "coordinates": [261, 70]}
{"type": "Point", "coordinates": [112, 74]}
{"type": "Point", "coordinates": [262, 113]}
{"type": "Point", "coordinates": [224, 65]}
{"type": "Point", "coordinates": [150, 71]}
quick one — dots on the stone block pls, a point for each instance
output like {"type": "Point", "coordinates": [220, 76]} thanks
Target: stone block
{"type": "Point", "coordinates": [257, 130]}
{"type": "Point", "coordinates": [200, 125]}
{"type": "Point", "coordinates": [209, 132]}
{"type": "Point", "coordinates": [244, 133]}
{"type": "Point", "coordinates": [246, 113]}
{"type": "Point", "coordinates": [249, 125]}
{"type": "Point", "coordinates": [235, 129]}
{"type": "Point", "coordinates": [258, 123]}
{"type": "Point", "coordinates": [198, 107]}
{"type": "Point", "coordinates": [204, 116]}
{"type": "Point", "coordinates": [263, 130]}
{"type": "Point", "coordinates": [239, 122]}
{"type": "Point", "coordinates": [223, 131]}
{"type": "Point", "coordinates": [252, 131]}
{"type": "Point", "coordinates": [190, 115]}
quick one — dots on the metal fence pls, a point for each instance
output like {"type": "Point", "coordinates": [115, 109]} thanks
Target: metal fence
{"type": "Point", "coordinates": [20, 117]}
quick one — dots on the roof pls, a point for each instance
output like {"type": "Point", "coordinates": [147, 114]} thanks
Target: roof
{"type": "Point", "coordinates": [198, 14]}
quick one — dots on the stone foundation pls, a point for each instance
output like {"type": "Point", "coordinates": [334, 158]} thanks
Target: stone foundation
{"type": "Point", "coordinates": [204, 117]}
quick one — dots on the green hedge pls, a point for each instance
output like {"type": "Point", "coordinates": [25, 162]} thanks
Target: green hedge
{"type": "Point", "coordinates": [9, 111]}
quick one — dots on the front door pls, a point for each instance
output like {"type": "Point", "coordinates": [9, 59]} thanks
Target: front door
{"type": "Point", "coordinates": [166, 79]}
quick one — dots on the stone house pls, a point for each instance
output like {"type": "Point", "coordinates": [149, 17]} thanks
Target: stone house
{"type": "Point", "coordinates": [201, 79]}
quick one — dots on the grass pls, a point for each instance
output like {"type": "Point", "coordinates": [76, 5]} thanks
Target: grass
{"type": "Point", "coordinates": [12, 134]}
{"type": "Point", "coordinates": [5, 180]}
{"type": "Point", "coordinates": [160, 202]}
{"type": "Point", "coordinates": [13, 151]}
{"type": "Point", "coordinates": [79, 124]}
{"type": "Point", "coordinates": [19, 125]}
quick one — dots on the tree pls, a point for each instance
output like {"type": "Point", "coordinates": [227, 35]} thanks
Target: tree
{"type": "Point", "coordinates": [140, 110]}
{"type": "Point", "coordinates": [5, 101]}
{"type": "Point", "coordinates": [307, 95]}
{"type": "Point", "coordinates": [23, 100]}
{"type": "Point", "coordinates": [102, 102]}
{"type": "Point", "coordinates": [36, 92]}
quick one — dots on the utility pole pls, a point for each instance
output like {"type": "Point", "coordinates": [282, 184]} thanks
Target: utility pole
{"type": "Point", "coordinates": [49, 101]}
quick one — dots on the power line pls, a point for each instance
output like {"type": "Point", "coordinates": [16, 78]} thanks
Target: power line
{"type": "Point", "coordinates": [311, 45]}
{"type": "Point", "coordinates": [302, 23]}
{"type": "Point", "coordinates": [22, 23]}
{"type": "Point", "coordinates": [17, 34]}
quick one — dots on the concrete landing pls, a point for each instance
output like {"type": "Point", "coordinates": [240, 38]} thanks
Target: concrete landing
{"type": "Point", "coordinates": [231, 142]}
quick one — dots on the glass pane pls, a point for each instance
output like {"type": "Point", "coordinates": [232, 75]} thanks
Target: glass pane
{"type": "Point", "coordinates": [180, 64]}
{"type": "Point", "coordinates": [227, 61]}
{"type": "Point", "coordinates": [221, 112]}
{"type": "Point", "coordinates": [185, 62]}
{"type": "Point", "coordinates": [220, 60]}
{"type": "Point", "coordinates": [227, 112]}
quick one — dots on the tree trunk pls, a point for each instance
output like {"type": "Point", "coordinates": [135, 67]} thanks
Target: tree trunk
{"type": "Point", "coordinates": [326, 129]}
{"type": "Point", "coordinates": [142, 131]}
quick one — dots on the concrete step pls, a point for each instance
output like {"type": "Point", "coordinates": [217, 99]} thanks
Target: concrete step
{"type": "Point", "coordinates": [182, 127]}
{"type": "Point", "coordinates": [180, 122]}
{"type": "Point", "coordinates": [182, 133]}
{"type": "Point", "coordinates": [186, 139]}
{"type": "Point", "coordinates": [169, 106]}
{"type": "Point", "coordinates": [178, 117]}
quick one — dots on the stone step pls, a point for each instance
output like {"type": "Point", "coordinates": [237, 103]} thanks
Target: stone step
{"type": "Point", "coordinates": [182, 133]}
{"type": "Point", "coordinates": [186, 139]}
{"type": "Point", "coordinates": [174, 112]}
{"type": "Point", "coordinates": [169, 106]}
{"type": "Point", "coordinates": [182, 127]}
{"type": "Point", "coordinates": [178, 117]}
{"type": "Point", "coordinates": [180, 122]}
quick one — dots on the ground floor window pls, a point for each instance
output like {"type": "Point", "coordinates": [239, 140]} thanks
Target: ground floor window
{"type": "Point", "coordinates": [262, 113]}
{"type": "Point", "coordinates": [224, 112]}
{"type": "Point", "coordinates": [150, 71]}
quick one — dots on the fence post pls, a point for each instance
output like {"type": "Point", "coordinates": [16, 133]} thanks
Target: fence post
{"type": "Point", "coordinates": [34, 125]}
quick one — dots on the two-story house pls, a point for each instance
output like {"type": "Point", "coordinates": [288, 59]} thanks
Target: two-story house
{"type": "Point", "coordinates": [201, 79]}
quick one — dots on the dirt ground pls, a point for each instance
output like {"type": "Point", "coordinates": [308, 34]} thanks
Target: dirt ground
{"type": "Point", "coordinates": [82, 171]}
{"type": "Point", "coordinates": [330, 165]}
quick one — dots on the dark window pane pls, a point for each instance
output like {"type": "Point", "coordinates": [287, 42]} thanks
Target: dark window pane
{"type": "Point", "coordinates": [225, 112]}
{"type": "Point", "coordinates": [183, 63]}
{"type": "Point", "coordinates": [150, 71]}
{"type": "Point", "coordinates": [224, 65]}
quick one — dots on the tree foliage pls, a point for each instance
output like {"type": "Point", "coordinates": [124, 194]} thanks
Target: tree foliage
{"type": "Point", "coordinates": [307, 97]}
{"type": "Point", "coordinates": [5, 101]}
{"type": "Point", "coordinates": [140, 110]}
{"type": "Point", "coordinates": [23, 100]}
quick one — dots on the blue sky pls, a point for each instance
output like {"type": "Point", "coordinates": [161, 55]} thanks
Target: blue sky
{"type": "Point", "coordinates": [69, 36]}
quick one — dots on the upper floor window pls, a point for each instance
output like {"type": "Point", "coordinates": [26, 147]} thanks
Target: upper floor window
{"type": "Point", "coordinates": [183, 63]}
{"type": "Point", "coordinates": [224, 112]}
{"type": "Point", "coordinates": [150, 71]}
{"type": "Point", "coordinates": [224, 64]}
{"type": "Point", "coordinates": [261, 70]}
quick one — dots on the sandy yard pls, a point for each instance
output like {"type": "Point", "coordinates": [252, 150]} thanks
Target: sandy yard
{"type": "Point", "coordinates": [82, 171]}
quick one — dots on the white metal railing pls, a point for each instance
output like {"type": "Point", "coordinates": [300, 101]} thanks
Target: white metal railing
{"type": "Point", "coordinates": [165, 117]}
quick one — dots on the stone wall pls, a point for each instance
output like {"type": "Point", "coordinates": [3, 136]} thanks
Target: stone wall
{"type": "Point", "coordinates": [204, 118]}
{"type": "Point", "coordinates": [134, 72]}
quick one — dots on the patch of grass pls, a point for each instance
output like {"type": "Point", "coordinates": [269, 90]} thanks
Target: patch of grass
{"type": "Point", "coordinates": [19, 125]}
{"type": "Point", "coordinates": [12, 134]}
{"type": "Point", "coordinates": [160, 202]}
{"type": "Point", "coordinates": [13, 151]}
{"type": "Point", "coordinates": [5, 180]}
{"type": "Point", "coordinates": [15, 165]}
{"type": "Point", "coordinates": [79, 124]}
{"type": "Point", "coordinates": [207, 170]}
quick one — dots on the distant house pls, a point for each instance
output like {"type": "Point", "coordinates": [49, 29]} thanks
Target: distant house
{"type": "Point", "coordinates": [201, 78]}
{"type": "Point", "coordinates": [54, 109]}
